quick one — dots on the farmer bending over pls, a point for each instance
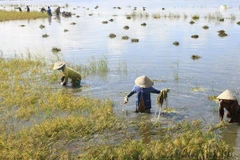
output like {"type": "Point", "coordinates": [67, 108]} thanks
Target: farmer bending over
{"type": "Point", "coordinates": [143, 88]}
{"type": "Point", "coordinates": [68, 73]}
{"type": "Point", "coordinates": [229, 102]}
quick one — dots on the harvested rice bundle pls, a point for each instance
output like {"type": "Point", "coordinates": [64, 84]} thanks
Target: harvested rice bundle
{"type": "Point", "coordinates": [162, 96]}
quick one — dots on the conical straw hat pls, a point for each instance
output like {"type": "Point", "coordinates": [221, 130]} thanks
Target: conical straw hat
{"type": "Point", "coordinates": [227, 95]}
{"type": "Point", "coordinates": [144, 82]}
{"type": "Point", "coordinates": [58, 65]}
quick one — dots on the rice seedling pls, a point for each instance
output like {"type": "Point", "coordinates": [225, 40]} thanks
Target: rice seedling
{"type": "Point", "coordinates": [205, 27]}
{"type": "Point", "coordinates": [195, 36]}
{"type": "Point", "coordinates": [176, 43]}
{"type": "Point", "coordinates": [122, 67]}
{"type": "Point", "coordinates": [140, 14]}
{"type": "Point", "coordinates": [143, 24]}
{"type": "Point", "coordinates": [14, 15]}
{"type": "Point", "coordinates": [112, 35]}
{"type": "Point", "coordinates": [100, 65]}
{"type": "Point", "coordinates": [125, 37]}
{"type": "Point", "coordinates": [126, 27]}
{"type": "Point", "coordinates": [65, 30]}
{"type": "Point", "coordinates": [195, 57]}
{"type": "Point", "coordinates": [41, 26]}
{"type": "Point", "coordinates": [56, 50]}
{"type": "Point", "coordinates": [72, 23]}
{"type": "Point", "coordinates": [45, 35]}
{"type": "Point", "coordinates": [214, 16]}
{"type": "Point", "coordinates": [232, 17]}
{"type": "Point", "coordinates": [135, 40]}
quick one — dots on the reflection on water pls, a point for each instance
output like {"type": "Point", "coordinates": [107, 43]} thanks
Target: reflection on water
{"type": "Point", "coordinates": [154, 55]}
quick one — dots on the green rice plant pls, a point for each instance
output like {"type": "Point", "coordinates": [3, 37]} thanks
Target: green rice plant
{"type": "Point", "coordinates": [14, 15]}
{"type": "Point", "coordinates": [212, 98]}
{"type": "Point", "coordinates": [156, 15]}
{"type": "Point", "coordinates": [232, 17]}
{"type": "Point", "coordinates": [122, 67]}
{"type": "Point", "coordinates": [214, 16]}
{"type": "Point", "coordinates": [99, 65]}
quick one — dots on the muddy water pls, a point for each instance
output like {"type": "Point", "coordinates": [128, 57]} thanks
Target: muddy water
{"type": "Point", "coordinates": [154, 55]}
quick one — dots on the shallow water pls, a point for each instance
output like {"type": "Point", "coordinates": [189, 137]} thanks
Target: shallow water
{"type": "Point", "coordinates": [154, 55]}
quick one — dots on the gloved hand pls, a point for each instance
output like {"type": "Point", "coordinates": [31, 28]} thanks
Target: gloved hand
{"type": "Point", "coordinates": [125, 100]}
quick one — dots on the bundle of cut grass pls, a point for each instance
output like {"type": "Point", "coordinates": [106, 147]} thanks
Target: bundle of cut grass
{"type": "Point", "coordinates": [205, 27]}
{"type": "Point", "coordinates": [162, 96]}
{"type": "Point", "coordinates": [222, 33]}
{"type": "Point", "coordinates": [112, 35]}
{"type": "Point", "coordinates": [195, 36]}
{"type": "Point", "coordinates": [143, 24]}
{"type": "Point", "coordinates": [135, 40]}
{"type": "Point", "coordinates": [126, 27]}
{"type": "Point", "coordinates": [176, 43]}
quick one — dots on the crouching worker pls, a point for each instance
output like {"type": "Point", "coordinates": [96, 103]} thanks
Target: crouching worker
{"type": "Point", "coordinates": [68, 73]}
{"type": "Point", "coordinates": [143, 88]}
{"type": "Point", "coordinates": [229, 103]}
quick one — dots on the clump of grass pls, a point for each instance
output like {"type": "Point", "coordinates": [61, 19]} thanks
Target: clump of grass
{"type": "Point", "coordinates": [41, 26]}
{"type": "Point", "coordinates": [111, 20]}
{"type": "Point", "coordinates": [112, 35]}
{"type": "Point", "coordinates": [65, 30]}
{"type": "Point", "coordinates": [212, 98]}
{"type": "Point", "coordinates": [195, 57]}
{"type": "Point", "coordinates": [56, 50]}
{"type": "Point", "coordinates": [176, 43]}
{"type": "Point", "coordinates": [45, 35]}
{"type": "Point", "coordinates": [72, 23]}
{"type": "Point", "coordinates": [125, 37]}
{"type": "Point", "coordinates": [143, 24]}
{"type": "Point", "coordinates": [104, 22]}
{"type": "Point", "coordinates": [195, 17]}
{"type": "Point", "coordinates": [205, 27]}
{"type": "Point", "coordinates": [100, 65]}
{"type": "Point", "coordinates": [126, 27]}
{"type": "Point", "coordinates": [14, 15]}
{"type": "Point", "coordinates": [238, 22]}
{"type": "Point", "coordinates": [221, 19]}
{"type": "Point", "coordinates": [78, 16]}
{"type": "Point", "coordinates": [191, 22]}
{"type": "Point", "coordinates": [90, 14]}
{"type": "Point", "coordinates": [128, 17]}
{"type": "Point", "coordinates": [221, 33]}
{"type": "Point", "coordinates": [140, 14]}
{"type": "Point", "coordinates": [198, 89]}
{"type": "Point", "coordinates": [135, 40]}
{"type": "Point", "coordinates": [22, 25]}
{"type": "Point", "coordinates": [195, 36]}
{"type": "Point", "coordinates": [214, 16]}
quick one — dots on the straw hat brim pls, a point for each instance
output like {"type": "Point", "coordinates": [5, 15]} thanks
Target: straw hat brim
{"type": "Point", "coordinates": [227, 95]}
{"type": "Point", "coordinates": [58, 65]}
{"type": "Point", "coordinates": [144, 82]}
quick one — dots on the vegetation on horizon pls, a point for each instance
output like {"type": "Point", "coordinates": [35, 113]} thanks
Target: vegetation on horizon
{"type": "Point", "coordinates": [14, 15]}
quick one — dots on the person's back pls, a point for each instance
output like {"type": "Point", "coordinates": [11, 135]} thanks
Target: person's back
{"type": "Point", "coordinates": [49, 11]}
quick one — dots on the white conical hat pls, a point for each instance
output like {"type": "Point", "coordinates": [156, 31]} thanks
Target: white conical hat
{"type": "Point", "coordinates": [144, 82]}
{"type": "Point", "coordinates": [58, 65]}
{"type": "Point", "coordinates": [227, 95]}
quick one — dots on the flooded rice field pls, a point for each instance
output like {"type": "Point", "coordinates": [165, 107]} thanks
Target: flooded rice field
{"type": "Point", "coordinates": [193, 25]}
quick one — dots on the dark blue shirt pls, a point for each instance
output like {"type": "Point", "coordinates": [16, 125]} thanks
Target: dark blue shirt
{"type": "Point", "coordinates": [145, 92]}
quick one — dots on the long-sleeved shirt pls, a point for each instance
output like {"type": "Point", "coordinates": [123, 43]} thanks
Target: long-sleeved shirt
{"type": "Point", "coordinates": [71, 73]}
{"type": "Point", "coordinates": [145, 93]}
{"type": "Point", "coordinates": [232, 108]}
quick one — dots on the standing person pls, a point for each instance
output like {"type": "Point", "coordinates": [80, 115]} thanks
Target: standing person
{"type": "Point", "coordinates": [58, 11]}
{"type": "Point", "coordinates": [28, 9]}
{"type": "Point", "coordinates": [49, 11]}
{"type": "Point", "coordinates": [143, 88]}
{"type": "Point", "coordinates": [68, 73]}
{"type": "Point", "coordinates": [229, 103]}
